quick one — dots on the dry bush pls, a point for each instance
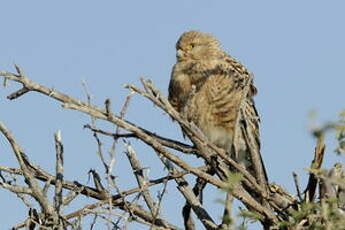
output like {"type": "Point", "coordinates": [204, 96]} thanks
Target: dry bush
{"type": "Point", "coordinates": [320, 205]}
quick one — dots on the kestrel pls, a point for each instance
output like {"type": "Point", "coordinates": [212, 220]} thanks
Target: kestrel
{"type": "Point", "coordinates": [208, 87]}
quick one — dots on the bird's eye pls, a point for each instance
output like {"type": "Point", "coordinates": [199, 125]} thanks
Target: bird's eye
{"type": "Point", "coordinates": [190, 47]}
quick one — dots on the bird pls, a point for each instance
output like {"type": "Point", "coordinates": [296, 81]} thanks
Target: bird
{"type": "Point", "coordinates": [215, 92]}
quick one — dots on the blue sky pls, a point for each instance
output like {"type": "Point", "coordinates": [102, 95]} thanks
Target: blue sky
{"type": "Point", "coordinates": [294, 48]}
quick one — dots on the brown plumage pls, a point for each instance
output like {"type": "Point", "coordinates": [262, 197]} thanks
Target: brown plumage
{"type": "Point", "coordinates": [208, 87]}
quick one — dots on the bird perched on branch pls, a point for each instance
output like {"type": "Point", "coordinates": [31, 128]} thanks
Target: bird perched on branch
{"type": "Point", "coordinates": [215, 92]}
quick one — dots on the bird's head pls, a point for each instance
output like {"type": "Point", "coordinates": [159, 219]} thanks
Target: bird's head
{"type": "Point", "coordinates": [195, 45]}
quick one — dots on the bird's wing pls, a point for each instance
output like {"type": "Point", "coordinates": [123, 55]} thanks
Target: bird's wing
{"type": "Point", "coordinates": [249, 126]}
{"type": "Point", "coordinates": [224, 91]}
{"type": "Point", "coordinates": [242, 70]}
{"type": "Point", "coordinates": [224, 109]}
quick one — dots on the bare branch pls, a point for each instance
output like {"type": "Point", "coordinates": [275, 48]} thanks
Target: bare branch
{"type": "Point", "coordinates": [186, 211]}
{"type": "Point", "coordinates": [16, 188]}
{"type": "Point", "coordinates": [59, 172]}
{"type": "Point", "coordinates": [139, 175]}
{"type": "Point", "coordinates": [252, 190]}
{"type": "Point", "coordinates": [23, 162]}
{"type": "Point", "coordinates": [18, 93]}
{"type": "Point", "coordinates": [140, 212]}
{"type": "Point", "coordinates": [179, 146]}
{"type": "Point", "coordinates": [295, 177]}
{"type": "Point", "coordinates": [226, 219]}
{"type": "Point", "coordinates": [309, 194]}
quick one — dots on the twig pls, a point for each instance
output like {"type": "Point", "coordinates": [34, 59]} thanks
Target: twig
{"type": "Point", "coordinates": [115, 141]}
{"type": "Point", "coordinates": [71, 196]}
{"type": "Point", "coordinates": [160, 196]}
{"type": "Point", "coordinates": [309, 193]}
{"type": "Point", "coordinates": [186, 211]}
{"type": "Point", "coordinates": [179, 146]}
{"type": "Point", "coordinates": [16, 189]}
{"type": "Point", "coordinates": [140, 177]}
{"type": "Point", "coordinates": [100, 215]}
{"type": "Point", "coordinates": [140, 212]}
{"type": "Point", "coordinates": [59, 173]}
{"type": "Point", "coordinates": [98, 184]}
{"type": "Point", "coordinates": [25, 201]}
{"type": "Point", "coordinates": [23, 162]}
{"type": "Point", "coordinates": [295, 179]}
{"type": "Point", "coordinates": [193, 202]}
{"type": "Point", "coordinates": [226, 219]}
{"type": "Point", "coordinates": [122, 115]}
{"type": "Point", "coordinates": [46, 187]}
{"type": "Point", "coordinates": [100, 152]}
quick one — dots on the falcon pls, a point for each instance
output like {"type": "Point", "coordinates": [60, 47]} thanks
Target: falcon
{"type": "Point", "coordinates": [215, 92]}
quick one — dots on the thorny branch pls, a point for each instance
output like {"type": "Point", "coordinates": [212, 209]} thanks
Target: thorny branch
{"type": "Point", "coordinates": [270, 203]}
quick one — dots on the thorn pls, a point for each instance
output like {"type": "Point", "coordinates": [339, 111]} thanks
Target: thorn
{"type": "Point", "coordinates": [19, 70]}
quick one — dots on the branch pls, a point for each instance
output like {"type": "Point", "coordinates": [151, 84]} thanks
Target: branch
{"type": "Point", "coordinates": [99, 113]}
{"type": "Point", "coordinates": [29, 177]}
{"type": "Point", "coordinates": [207, 150]}
{"type": "Point", "coordinates": [59, 173]}
{"type": "Point", "coordinates": [139, 175]}
{"type": "Point", "coordinates": [140, 212]}
{"type": "Point", "coordinates": [16, 189]}
{"type": "Point", "coordinates": [179, 146]}
{"type": "Point", "coordinates": [309, 194]}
